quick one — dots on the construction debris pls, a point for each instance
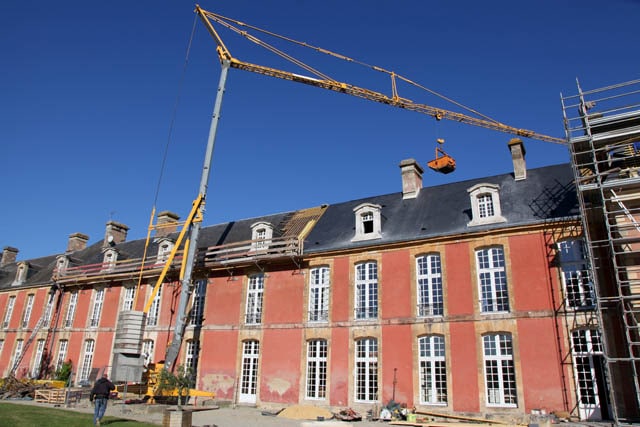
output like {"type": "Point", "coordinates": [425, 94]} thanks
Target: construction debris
{"type": "Point", "coordinates": [348, 414]}
{"type": "Point", "coordinates": [13, 388]}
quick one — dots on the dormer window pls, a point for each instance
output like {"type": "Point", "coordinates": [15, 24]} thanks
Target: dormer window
{"type": "Point", "coordinates": [165, 246]}
{"type": "Point", "coordinates": [261, 235]}
{"type": "Point", "coordinates": [62, 262]}
{"type": "Point", "coordinates": [368, 222]}
{"type": "Point", "coordinates": [110, 259]}
{"type": "Point", "coordinates": [21, 273]}
{"type": "Point", "coordinates": [485, 205]}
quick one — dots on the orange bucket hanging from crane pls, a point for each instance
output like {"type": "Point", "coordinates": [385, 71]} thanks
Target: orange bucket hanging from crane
{"type": "Point", "coordinates": [443, 162]}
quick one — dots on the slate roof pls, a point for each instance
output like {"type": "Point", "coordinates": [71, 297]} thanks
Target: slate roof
{"type": "Point", "coordinates": [546, 194]}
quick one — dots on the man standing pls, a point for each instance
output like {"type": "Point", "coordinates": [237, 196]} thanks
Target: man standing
{"type": "Point", "coordinates": [100, 395]}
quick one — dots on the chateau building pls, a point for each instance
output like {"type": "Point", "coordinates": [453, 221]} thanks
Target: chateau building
{"type": "Point", "coordinates": [471, 297]}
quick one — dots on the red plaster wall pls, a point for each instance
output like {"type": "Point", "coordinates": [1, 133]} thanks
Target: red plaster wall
{"type": "Point", "coordinates": [102, 352]}
{"type": "Point", "coordinates": [280, 365]}
{"type": "Point", "coordinates": [541, 367]}
{"type": "Point", "coordinates": [396, 354]}
{"type": "Point", "coordinates": [110, 307]}
{"type": "Point", "coordinates": [464, 367]}
{"type": "Point", "coordinates": [223, 301]}
{"type": "Point", "coordinates": [530, 275]}
{"type": "Point", "coordinates": [340, 290]}
{"type": "Point", "coordinates": [397, 299]}
{"type": "Point", "coordinates": [283, 296]}
{"type": "Point", "coordinates": [457, 280]}
{"type": "Point", "coordinates": [339, 367]}
{"type": "Point", "coordinates": [217, 363]}
{"type": "Point", "coordinates": [83, 305]}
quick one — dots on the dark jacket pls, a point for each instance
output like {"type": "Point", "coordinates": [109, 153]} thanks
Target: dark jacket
{"type": "Point", "coordinates": [102, 388]}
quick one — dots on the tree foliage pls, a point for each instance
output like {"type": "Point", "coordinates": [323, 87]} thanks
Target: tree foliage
{"type": "Point", "coordinates": [182, 380]}
{"type": "Point", "coordinates": [64, 372]}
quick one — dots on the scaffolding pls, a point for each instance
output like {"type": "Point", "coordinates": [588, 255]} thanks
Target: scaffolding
{"type": "Point", "coordinates": [603, 130]}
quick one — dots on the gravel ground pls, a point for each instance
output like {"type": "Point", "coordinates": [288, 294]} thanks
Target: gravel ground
{"type": "Point", "coordinates": [240, 416]}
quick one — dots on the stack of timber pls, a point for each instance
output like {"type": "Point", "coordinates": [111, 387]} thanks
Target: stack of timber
{"type": "Point", "coordinates": [460, 420]}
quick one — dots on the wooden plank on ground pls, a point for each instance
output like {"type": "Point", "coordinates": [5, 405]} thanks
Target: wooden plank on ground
{"type": "Point", "coordinates": [461, 417]}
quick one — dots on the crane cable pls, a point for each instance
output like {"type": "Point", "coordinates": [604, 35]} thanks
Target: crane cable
{"type": "Point", "coordinates": [222, 21]}
{"type": "Point", "coordinates": [164, 157]}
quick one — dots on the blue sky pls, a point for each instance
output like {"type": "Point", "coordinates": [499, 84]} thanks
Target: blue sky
{"type": "Point", "coordinates": [89, 93]}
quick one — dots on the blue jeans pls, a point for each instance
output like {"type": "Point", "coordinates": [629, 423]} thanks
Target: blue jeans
{"type": "Point", "coordinates": [100, 407]}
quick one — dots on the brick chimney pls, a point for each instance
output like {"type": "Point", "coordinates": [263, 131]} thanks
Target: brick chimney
{"type": "Point", "coordinates": [516, 146]}
{"type": "Point", "coordinates": [411, 178]}
{"type": "Point", "coordinates": [167, 223]}
{"type": "Point", "coordinates": [115, 233]}
{"type": "Point", "coordinates": [9, 255]}
{"type": "Point", "coordinates": [77, 242]}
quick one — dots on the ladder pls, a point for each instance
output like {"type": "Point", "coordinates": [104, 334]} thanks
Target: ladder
{"type": "Point", "coordinates": [36, 329]}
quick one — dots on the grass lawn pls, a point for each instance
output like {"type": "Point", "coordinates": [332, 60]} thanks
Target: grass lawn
{"type": "Point", "coordinates": [20, 415]}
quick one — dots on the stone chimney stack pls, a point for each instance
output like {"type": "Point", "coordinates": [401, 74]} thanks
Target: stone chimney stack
{"type": "Point", "coordinates": [77, 242]}
{"type": "Point", "coordinates": [167, 223]}
{"type": "Point", "coordinates": [516, 146]}
{"type": "Point", "coordinates": [411, 178]}
{"type": "Point", "coordinates": [9, 255]}
{"type": "Point", "coordinates": [115, 233]}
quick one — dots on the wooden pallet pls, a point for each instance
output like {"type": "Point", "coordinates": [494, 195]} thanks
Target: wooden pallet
{"type": "Point", "coordinates": [50, 396]}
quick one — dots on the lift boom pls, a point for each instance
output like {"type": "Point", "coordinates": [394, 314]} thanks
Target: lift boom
{"type": "Point", "coordinates": [326, 83]}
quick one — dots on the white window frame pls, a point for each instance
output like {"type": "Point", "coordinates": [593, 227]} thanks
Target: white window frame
{"type": "Point", "coordinates": [148, 347]}
{"type": "Point", "coordinates": [430, 297]}
{"type": "Point", "coordinates": [1, 345]}
{"type": "Point", "coordinates": [154, 311]}
{"type": "Point", "coordinates": [366, 291]}
{"type": "Point", "coordinates": [71, 309]}
{"type": "Point", "coordinates": [578, 286]}
{"type": "Point", "coordinates": [316, 384]}
{"type": "Point", "coordinates": [255, 296]}
{"type": "Point", "coordinates": [11, 303]}
{"type": "Point", "coordinates": [368, 220]}
{"type": "Point", "coordinates": [17, 353]}
{"type": "Point", "coordinates": [249, 374]}
{"type": "Point", "coordinates": [366, 387]}
{"type": "Point", "coordinates": [96, 311]}
{"type": "Point", "coordinates": [198, 297]}
{"type": "Point", "coordinates": [48, 311]}
{"type": "Point", "coordinates": [499, 370]}
{"type": "Point", "coordinates": [585, 344]}
{"type": "Point", "coordinates": [63, 347]}
{"type": "Point", "coordinates": [261, 235]}
{"type": "Point", "coordinates": [87, 360]}
{"type": "Point", "coordinates": [493, 289]}
{"type": "Point", "coordinates": [319, 294]}
{"type": "Point", "coordinates": [433, 370]}
{"type": "Point", "coordinates": [37, 359]}
{"type": "Point", "coordinates": [192, 354]}
{"type": "Point", "coordinates": [128, 297]}
{"type": "Point", "coordinates": [485, 205]}
{"type": "Point", "coordinates": [28, 308]}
